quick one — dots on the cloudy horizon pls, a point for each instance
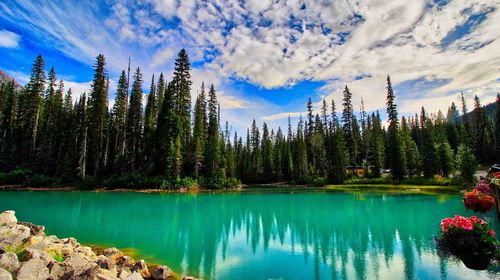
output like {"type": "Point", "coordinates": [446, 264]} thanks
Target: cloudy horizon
{"type": "Point", "coordinates": [266, 58]}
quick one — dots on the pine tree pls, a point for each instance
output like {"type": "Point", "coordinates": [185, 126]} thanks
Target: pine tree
{"type": "Point", "coordinates": [428, 150]}
{"type": "Point", "coordinates": [66, 155]}
{"type": "Point", "coordinates": [338, 150]}
{"type": "Point", "coordinates": [300, 164]}
{"type": "Point", "coordinates": [347, 125]}
{"type": "Point", "coordinates": [451, 127]}
{"type": "Point", "coordinates": [466, 163]}
{"type": "Point", "coordinates": [182, 94]}
{"type": "Point", "coordinates": [212, 145]}
{"type": "Point", "coordinates": [97, 112]}
{"type": "Point", "coordinates": [118, 126]}
{"type": "Point", "coordinates": [150, 117]}
{"type": "Point", "coordinates": [394, 148]}
{"type": "Point", "coordinates": [7, 123]}
{"type": "Point", "coordinates": [497, 126]}
{"type": "Point", "coordinates": [166, 131]}
{"type": "Point", "coordinates": [410, 150]}
{"type": "Point", "coordinates": [267, 154]}
{"type": "Point", "coordinates": [134, 123]}
{"type": "Point", "coordinates": [376, 146]}
{"type": "Point", "coordinates": [160, 93]}
{"type": "Point", "coordinates": [199, 130]}
{"type": "Point", "coordinates": [30, 111]}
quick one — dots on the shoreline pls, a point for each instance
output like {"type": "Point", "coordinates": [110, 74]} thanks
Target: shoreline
{"type": "Point", "coordinates": [26, 252]}
{"type": "Point", "coordinates": [383, 188]}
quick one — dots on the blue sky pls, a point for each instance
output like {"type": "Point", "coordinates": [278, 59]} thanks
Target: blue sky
{"type": "Point", "coordinates": [266, 58]}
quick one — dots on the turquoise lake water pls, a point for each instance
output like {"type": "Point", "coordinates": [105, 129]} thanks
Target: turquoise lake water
{"type": "Point", "coordinates": [252, 235]}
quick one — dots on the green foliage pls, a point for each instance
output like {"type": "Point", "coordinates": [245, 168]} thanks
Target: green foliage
{"type": "Point", "coordinates": [466, 163]}
{"type": "Point", "coordinates": [187, 182]}
{"type": "Point", "coordinates": [37, 180]}
{"type": "Point", "coordinates": [15, 177]}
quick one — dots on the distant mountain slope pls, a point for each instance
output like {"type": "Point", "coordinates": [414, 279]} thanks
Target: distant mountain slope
{"type": "Point", "coordinates": [4, 78]}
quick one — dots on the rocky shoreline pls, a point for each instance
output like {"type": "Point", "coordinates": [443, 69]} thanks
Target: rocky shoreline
{"type": "Point", "coordinates": [27, 253]}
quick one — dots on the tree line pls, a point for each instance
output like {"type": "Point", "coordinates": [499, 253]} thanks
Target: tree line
{"type": "Point", "coordinates": [43, 130]}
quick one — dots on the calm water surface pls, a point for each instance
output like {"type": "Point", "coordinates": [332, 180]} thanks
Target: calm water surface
{"type": "Point", "coordinates": [301, 235]}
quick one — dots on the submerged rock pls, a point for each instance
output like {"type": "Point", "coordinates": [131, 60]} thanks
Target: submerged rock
{"type": "Point", "coordinates": [142, 268]}
{"type": "Point", "coordinates": [162, 272]}
{"type": "Point", "coordinates": [9, 262]}
{"type": "Point", "coordinates": [134, 276]}
{"type": "Point", "coordinates": [33, 269]}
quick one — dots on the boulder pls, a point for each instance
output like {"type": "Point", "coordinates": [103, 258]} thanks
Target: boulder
{"type": "Point", "coordinates": [5, 275]}
{"type": "Point", "coordinates": [9, 262]}
{"type": "Point", "coordinates": [105, 276]}
{"type": "Point", "coordinates": [86, 252]}
{"type": "Point", "coordinates": [33, 269]}
{"type": "Point", "coordinates": [189, 278]}
{"type": "Point", "coordinates": [8, 218]}
{"type": "Point", "coordinates": [142, 268]}
{"type": "Point", "coordinates": [134, 276]}
{"type": "Point", "coordinates": [71, 241]}
{"type": "Point", "coordinates": [81, 268]}
{"type": "Point", "coordinates": [14, 236]}
{"type": "Point", "coordinates": [112, 253]}
{"type": "Point", "coordinates": [34, 229]}
{"type": "Point", "coordinates": [44, 256]}
{"type": "Point", "coordinates": [105, 262]}
{"type": "Point", "coordinates": [124, 273]}
{"type": "Point", "coordinates": [58, 270]}
{"type": "Point", "coordinates": [162, 272]}
{"type": "Point", "coordinates": [126, 261]}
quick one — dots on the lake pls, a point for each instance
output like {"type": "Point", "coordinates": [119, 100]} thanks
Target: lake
{"type": "Point", "coordinates": [260, 235]}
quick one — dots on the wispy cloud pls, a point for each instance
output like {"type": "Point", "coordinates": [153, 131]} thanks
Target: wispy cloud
{"type": "Point", "coordinates": [9, 39]}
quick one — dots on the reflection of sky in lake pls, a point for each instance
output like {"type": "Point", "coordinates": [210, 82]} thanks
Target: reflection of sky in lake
{"type": "Point", "coordinates": [314, 235]}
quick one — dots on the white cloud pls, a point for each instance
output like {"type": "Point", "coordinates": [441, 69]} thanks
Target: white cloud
{"type": "Point", "coordinates": [161, 56]}
{"type": "Point", "coordinates": [9, 39]}
{"type": "Point", "coordinates": [284, 115]}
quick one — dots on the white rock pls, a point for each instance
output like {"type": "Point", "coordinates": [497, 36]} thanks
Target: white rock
{"type": "Point", "coordinates": [33, 269]}
{"type": "Point", "coordinates": [134, 276]}
{"type": "Point", "coordinates": [9, 262]}
{"type": "Point", "coordinates": [8, 218]}
{"type": "Point", "coordinates": [5, 275]}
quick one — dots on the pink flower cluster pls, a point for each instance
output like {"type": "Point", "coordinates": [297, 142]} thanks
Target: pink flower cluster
{"type": "Point", "coordinates": [484, 187]}
{"type": "Point", "coordinates": [462, 223]}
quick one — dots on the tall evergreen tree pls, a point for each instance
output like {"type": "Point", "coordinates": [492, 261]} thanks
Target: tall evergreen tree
{"type": "Point", "coordinates": [7, 126]}
{"type": "Point", "coordinates": [212, 148]}
{"type": "Point", "coordinates": [338, 150]}
{"type": "Point", "coordinates": [29, 115]}
{"type": "Point", "coordinates": [97, 112]}
{"type": "Point", "coordinates": [497, 126]}
{"type": "Point", "coordinates": [134, 123]}
{"type": "Point", "coordinates": [347, 125]}
{"type": "Point", "coordinates": [150, 117]}
{"type": "Point", "coordinates": [376, 146]}
{"type": "Point", "coordinates": [182, 83]}
{"type": "Point", "coordinates": [394, 148]}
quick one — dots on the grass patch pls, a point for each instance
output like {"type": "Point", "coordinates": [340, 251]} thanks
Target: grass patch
{"type": "Point", "coordinates": [394, 188]}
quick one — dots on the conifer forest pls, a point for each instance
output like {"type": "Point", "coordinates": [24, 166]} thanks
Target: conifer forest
{"type": "Point", "coordinates": [160, 139]}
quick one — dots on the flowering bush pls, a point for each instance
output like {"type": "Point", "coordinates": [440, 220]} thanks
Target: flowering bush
{"type": "Point", "coordinates": [460, 235]}
{"type": "Point", "coordinates": [484, 187]}
{"type": "Point", "coordinates": [479, 201]}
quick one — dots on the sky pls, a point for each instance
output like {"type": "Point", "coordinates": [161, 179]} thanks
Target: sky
{"type": "Point", "coordinates": [266, 58]}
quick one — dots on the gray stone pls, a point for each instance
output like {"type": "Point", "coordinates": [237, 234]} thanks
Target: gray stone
{"type": "Point", "coordinates": [124, 273]}
{"type": "Point", "coordinates": [9, 262]}
{"type": "Point", "coordinates": [5, 275]}
{"type": "Point", "coordinates": [8, 218]}
{"type": "Point", "coordinates": [105, 276]}
{"type": "Point", "coordinates": [34, 229]}
{"type": "Point", "coordinates": [44, 256]}
{"type": "Point", "coordinates": [126, 261]}
{"type": "Point", "coordinates": [162, 272]}
{"type": "Point", "coordinates": [112, 253]}
{"type": "Point", "coordinates": [105, 262]}
{"type": "Point", "coordinates": [80, 267]}
{"type": "Point", "coordinates": [33, 269]}
{"type": "Point", "coordinates": [142, 268]}
{"type": "Point", "coordinates": [134, 276]}
{"type": "Point", "coordinates": [58, 270]}
{"type": "Point", "coordinates": [71, 241]}
{"type": "Point", "coordinates": [13, 236]}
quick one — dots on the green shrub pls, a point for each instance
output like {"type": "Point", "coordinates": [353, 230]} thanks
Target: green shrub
{"type": "Point", "coordinates": [15, 177]}
{"type": "Point", "coordinates": [133, 180]}
{"type": "Point", "coordinates": [40, 181]}
{"type": "Point", "coordinates": [187, 182]}
{"type": "Point", "coordinates": [91, 183]}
